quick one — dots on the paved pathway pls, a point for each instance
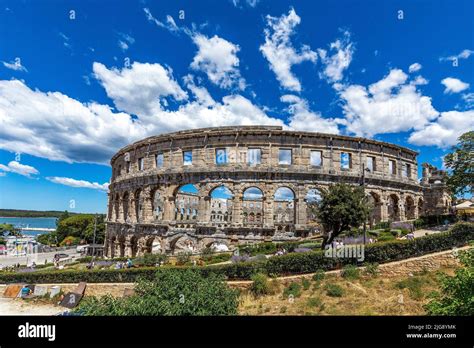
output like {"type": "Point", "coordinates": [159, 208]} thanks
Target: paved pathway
{"type": "Point", "coordinates": [38, 258]}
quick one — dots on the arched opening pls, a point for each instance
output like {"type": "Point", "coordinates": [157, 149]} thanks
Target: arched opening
{"type": "Point", "coordinates": [221, 205]}
{"type": "Point", "coordinates": [375, 204]}
{"type": "Point", "coordinates": [420, 207]}
{"type": "Point", "coordinates": [313, 199]}
{"type": "Point", "coordinates": [156, 246]}
{"type": "Point", "coordinates": [393, 208]}
{"type": "Point", "coordinates": [125, 203]}
{"type": "Point", "coordinates": [284, 207]}
{"type": "Point", "coordinates": [186, 203]}
{"type": "Point", "coordinates": [182, 243]}
{"type": "Point", "coordinates": [409, 208]}
{"type": "Point", "coordinates": [252, 206]}
{"type": "Point", "coordinates": [133, 246]}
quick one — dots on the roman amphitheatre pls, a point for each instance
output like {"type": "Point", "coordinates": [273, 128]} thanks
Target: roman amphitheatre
{"type": "Point", "coordinates": [227, 186]}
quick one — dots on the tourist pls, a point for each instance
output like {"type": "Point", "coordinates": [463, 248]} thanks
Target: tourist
{"type": "Point", "coordinates": [129, 263]}
{"type": "Point", "coordinates": [25, 291]}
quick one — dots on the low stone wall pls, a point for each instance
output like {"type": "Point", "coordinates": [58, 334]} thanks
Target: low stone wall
{"type": "Point", "coordinates": [430, 262]}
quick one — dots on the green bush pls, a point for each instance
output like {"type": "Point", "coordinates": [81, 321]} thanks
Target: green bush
{"type": "Point", "coordinates": [289, 264]}
{"type": "Point", "coordinates": [372, 269]}
{"type": "Point", "coordinates": [183, 258]}
{"type": "Point", "coordinates": [457, 295]}
{"type": "Point", "coordinates": [169, 292]}
{"type": "Point", "coordinates": [294, 289]}
{"type": "Point", "coordinates": [314, 302]}
{"type": "Point", "coordinates": [218, 258]}
{"type": "Point", "coordinates": [149, 260]}
{"type": "Point", "coordinates": [318, 275]}
{"type": "Point", "coordinates": [350, 272]}
{"type": "Point", "coordinates": [305, 283]}
{"type": "Point", "coordinates": [385, 237]}
{"type": "Point", "coordinates": [260, 285]}
{"type": "Point", "coordinates": [413, 284]}
{"type": "Point", "coordinates": [334, 290]}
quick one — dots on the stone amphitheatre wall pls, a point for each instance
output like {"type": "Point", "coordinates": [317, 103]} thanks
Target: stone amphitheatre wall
{"type": "Point", "coordinates": [147, 212]}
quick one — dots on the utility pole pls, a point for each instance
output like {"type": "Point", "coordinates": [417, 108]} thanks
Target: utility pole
{"type": "Point", "coordinates": [93, 240]}
{"type": "Point", "coordinates": [363, 188]}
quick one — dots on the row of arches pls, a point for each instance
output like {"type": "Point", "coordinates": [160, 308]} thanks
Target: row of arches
{"type": "Point", "coordinates": [222, 207]}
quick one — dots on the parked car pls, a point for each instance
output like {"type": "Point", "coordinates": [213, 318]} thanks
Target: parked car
{"type": "Point", "coordinates": [61, 256]}
{"type": "Point", "coordinates": [82, 248]}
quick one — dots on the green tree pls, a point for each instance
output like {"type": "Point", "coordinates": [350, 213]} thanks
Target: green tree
{"type": "Point", "coordinates": [172, 292]}
{"type": "Point", "coordinates": [76, 227]}
{"type": "Point", "coordinates": [457, 292]}
{"type": "Point", "coordinates": [342, 206]}
{"type": "Point", "coordinates": [62, 217]}
{"type": "Point", "coordinates": [82, 226]}
{"type": "Point", "coordinates": [460, 164]}
{"type": "Point", "coordinates": [9, 230]}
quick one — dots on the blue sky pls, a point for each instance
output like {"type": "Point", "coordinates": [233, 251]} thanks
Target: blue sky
{"type": "Point", "coordinates": [80, 79]}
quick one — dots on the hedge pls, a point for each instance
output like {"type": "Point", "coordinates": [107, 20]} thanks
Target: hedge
{"type": "Point", "coordinates": [294, 263]}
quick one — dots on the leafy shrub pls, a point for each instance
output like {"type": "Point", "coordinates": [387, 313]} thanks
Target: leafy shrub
{"type": "Point", "coordinates": [183, 258]}
{"type": "Point", "coordinates": [413, 284]}
{"type": "Point", "coordinates": [318, 275]}
{"type": "Point", "coordinates": [372, 269]}
{"type": "Point", "coordinates": [170, 292]}
{"type": "Point", "coordinates": [260, 285]}
{"type": "Point", "coordinates": [314, 302]}
{"type": "Point", "coordinates": [218, 258]}
{"type": "Point", "coordinates": [334, 290]}
{"type": "Point", "coordinates": [350, 272]}
{"type": "Point", "coordinates": [294, 263]}
{"type": "Point", "coordinates": [456, 297]}
{"type": "Point", "coordinates": [385, 237]}
{"type": "Point", "coordinates": [149, 259]}
{"type": "Point", "coordinates": [305, 283]}
{"type": "Point", "coordinates": [294, 289]}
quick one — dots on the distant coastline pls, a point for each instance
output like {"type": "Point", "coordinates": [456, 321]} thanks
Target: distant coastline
{"type": "Point", "coordinates": [31, 213]}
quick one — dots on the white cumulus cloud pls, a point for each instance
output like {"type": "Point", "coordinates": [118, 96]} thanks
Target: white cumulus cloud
{"type": "Point", "coordinates": [454, 85]}
{"type": "Point", "coordinates": [303, 119]}
{"type": "Point", "coordinates": [340, 59]}
{"type": "Point", "coordinates": [15, 65]}
{"type": "Point", "coordinates": [217, 58]}
{"type": "Point", "coordinates": [140, 89]}
{"type": "Point", "coordinates": [18, 168]}
{"type": "Point", "coordinates": [79, 183]}
{"type": "Point", "coordinates": [414, 67]}
{"type": "Point", "coordinates": [279, 51]}
{"type": "Point", "coordinates": [445, 131]}
{"type": "Point", "coordinates": [388, 106]}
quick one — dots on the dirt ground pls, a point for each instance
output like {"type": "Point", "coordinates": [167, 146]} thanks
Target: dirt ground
{"type": "Point", "coordinates": [17, 306]}
{"type": "Point", "coordinates": [367, 295]}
